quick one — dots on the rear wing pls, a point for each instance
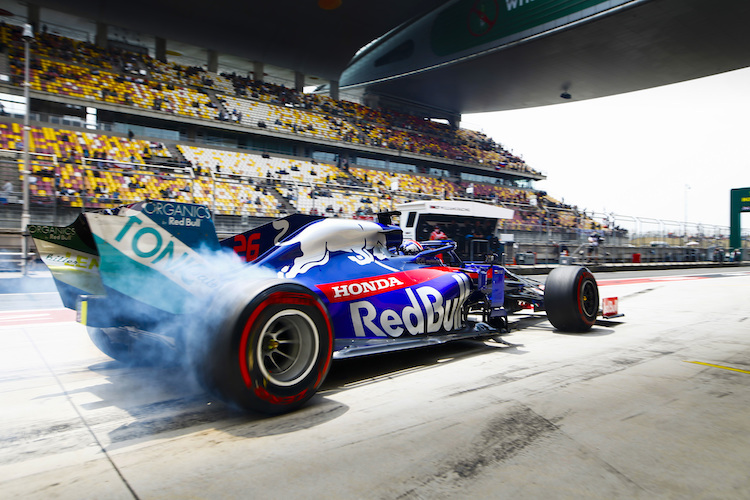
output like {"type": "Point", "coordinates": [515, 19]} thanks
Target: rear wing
{"type": "Point", "coordinates": [70, 254]}
{"type": "Point", "coordinates": [153, 252]}
{"type": "Point", "coordinates": [257, 241]}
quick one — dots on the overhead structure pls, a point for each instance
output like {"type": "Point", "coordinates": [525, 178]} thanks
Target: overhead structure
{"type": "Point", "coordinates": [451, 57]}
{"type": "Point", "coordinates": [473, 56]}
{"type": "Point", "coordinates": [314, 37]}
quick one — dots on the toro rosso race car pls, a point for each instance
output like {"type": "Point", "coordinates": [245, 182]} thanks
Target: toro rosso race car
{"type": "Point", "coordinates": [262, 314]}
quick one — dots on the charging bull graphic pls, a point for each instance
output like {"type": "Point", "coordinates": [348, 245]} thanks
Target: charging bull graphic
{"type": "Point", "coordinates": [316, 243]}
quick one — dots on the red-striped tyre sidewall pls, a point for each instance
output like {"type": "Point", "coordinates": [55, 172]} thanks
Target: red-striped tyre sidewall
{"type": "Point", "coordinates": [235, 369]}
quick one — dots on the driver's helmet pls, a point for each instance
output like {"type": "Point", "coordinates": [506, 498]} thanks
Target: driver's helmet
{"type": "Point", "coordinates": [410, 247]}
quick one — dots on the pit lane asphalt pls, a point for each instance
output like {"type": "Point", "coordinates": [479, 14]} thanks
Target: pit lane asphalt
{"type": "Point", "coordinates": [652, 405]}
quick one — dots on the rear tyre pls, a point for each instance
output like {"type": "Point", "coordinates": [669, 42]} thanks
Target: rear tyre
{"type": "Point", "coordinates": [571, 299]}
{"type": "Point", "coordinates": [270, 354]}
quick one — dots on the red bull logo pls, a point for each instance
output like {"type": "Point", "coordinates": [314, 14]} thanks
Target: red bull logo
{"type": "Point", "coordinates": [360, 238]}
{"type": "Point", "coordinates": [428, 311]}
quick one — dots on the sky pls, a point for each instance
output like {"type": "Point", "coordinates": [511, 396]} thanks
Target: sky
{"type": "Point", "coordinates": [671, 153]}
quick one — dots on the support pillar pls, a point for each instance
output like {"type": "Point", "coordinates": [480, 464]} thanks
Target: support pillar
{"type": "Point", "coordinates": [102, 35]}
{"type": "Point", "coordinates": [455, 121]}
{"type": "Point", "coordinates": [32, 16]}
{"type": "Point", "coordinates": [333, 85]}
{"type": "Point", "coordinates": [213, 61]}
{"type": "Point", "coordinates": [299, 81]}
{"type": "Point", "coordinates": [160, 49]}
{"type": "Point", "coordinates": [258, 68]}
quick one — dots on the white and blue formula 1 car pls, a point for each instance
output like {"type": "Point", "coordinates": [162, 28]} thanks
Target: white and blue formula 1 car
{"type": "Point", "coordinates": [262, 314]}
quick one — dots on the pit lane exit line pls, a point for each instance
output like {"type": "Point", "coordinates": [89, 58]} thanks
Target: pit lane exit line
{"type": "Point", "coordinates": [718, 366]}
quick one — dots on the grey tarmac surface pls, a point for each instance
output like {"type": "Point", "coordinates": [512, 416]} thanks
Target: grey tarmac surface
{"type": "Point", "coordinates": [652, 405]}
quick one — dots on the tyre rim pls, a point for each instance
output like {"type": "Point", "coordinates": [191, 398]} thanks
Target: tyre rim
{"type": "Point", "coordinates": [287, 348]}
{"type": "Point", "coordinates": [589, 302]}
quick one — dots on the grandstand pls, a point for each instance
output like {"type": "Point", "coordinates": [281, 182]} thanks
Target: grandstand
{"type": "Point", "coordinates": [247, 149]}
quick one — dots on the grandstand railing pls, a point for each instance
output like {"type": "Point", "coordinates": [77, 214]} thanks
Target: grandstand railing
{"type": "Point", "coordinates": [615, 227]}
{"type": "Point", "coordinates": [67, 121]}
{"type": "Point", "coordinates": [621, 237]}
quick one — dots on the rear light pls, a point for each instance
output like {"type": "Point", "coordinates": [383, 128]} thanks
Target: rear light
{"type": "Point", "coordinates": [609, 307]}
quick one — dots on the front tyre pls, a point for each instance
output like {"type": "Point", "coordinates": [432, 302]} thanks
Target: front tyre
{"type": "Point", "coordinates": [272, 353]}
{"type": "Point", "coordinates": [571, 299]}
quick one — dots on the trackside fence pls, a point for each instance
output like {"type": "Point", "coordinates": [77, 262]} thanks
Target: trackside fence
{"type": "Point", "coordinates": [60, 189]}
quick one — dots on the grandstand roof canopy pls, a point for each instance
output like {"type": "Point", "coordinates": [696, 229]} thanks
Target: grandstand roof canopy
{"type": "Point", "coordinates": [644, 44]}
{"type": "Point", "coordinates": [296, 34]}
